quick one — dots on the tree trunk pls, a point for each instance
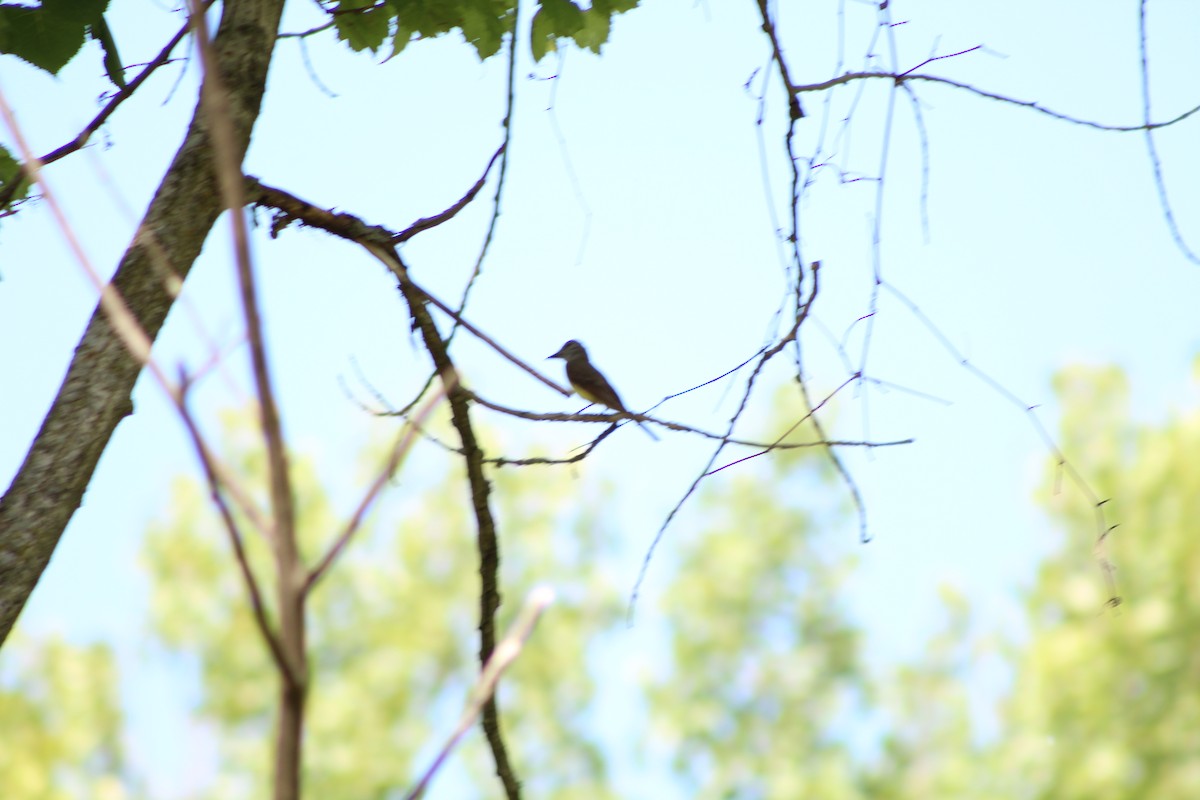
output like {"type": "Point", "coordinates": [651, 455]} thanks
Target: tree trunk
{"type": "Point", "coordinates": [95, 395]}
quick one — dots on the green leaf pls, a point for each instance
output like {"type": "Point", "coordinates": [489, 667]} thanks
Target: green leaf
{"type": "Point", "coordinates": [483, 23]}
{"type": "Point", "coordinates": [484, 31]}
{"type": "Point", "coordinates": [596, 26]}
{"type": "Point", "coordinates": [562, 18]}
{"type": "Point", "coordinates": [10, 170]}
{"type": "Point", "coordinates": [48, 36]}
{"type": "Point", "coordinates": [400, 39]}
{"type": "Point", "coordinates": [616, 6]}
{"type": "Point", "coordinates": [112, 59]}
{"type": "Point", "coordinates": [541, 40]}
{"type": "Point", "coordinates": [362, 30]}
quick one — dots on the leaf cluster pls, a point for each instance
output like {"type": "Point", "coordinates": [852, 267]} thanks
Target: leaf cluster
{"type": "Point", "coordinates": [370, 25]}
{"type": "Point", "coordinates": [556, 19]}
{"type": "Point", "coordinates": [61, 722]}
{"type": "Point", "coordinates": [760, 686]}
{"type": "Point", "coordinates": [49, 35]}
{"type": "Point", "coordinates": [10, 171]}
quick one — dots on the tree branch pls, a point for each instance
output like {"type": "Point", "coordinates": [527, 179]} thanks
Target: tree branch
{"type": "Point", "coordinates": [485, 687]}
{"type": "Point", "coordinates": [95, 394]}
{"type": "Point", "coordinates": [289, 567]}
{"type": "Point", "coordinates": [425, 223]}
{"type": "Point", "coordinates": [208, 464]}
{"type": "Point", "coordinates": [794, 108]}
{"type": "Point", "coordinates": [350, 227]}
{"type": "Point", "coordinates": [902, 77]}
{"type": "Point", "coordinates": [124, 94]}
{"type": "Point", "coordinates": [379, 242]}
{"type": "Point", "coordinates": [399, 451]}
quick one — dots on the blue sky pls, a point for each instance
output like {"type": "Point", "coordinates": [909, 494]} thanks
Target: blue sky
{"type": "Point", "coordinates": [636, 220]}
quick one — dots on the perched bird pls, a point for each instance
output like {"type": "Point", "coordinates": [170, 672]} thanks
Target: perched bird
{"type": "Point", "coordinates": [587, 381]}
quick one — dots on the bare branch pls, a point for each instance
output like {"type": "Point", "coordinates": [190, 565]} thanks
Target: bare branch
{"type": "Point", "coordinates": [426, 223]}
{"type": "Point", "coordinates": [487, 541]}
{"type": "Point", "coordinates": [304, 34]}
{"type": "Point", "coordinates": [901, 77]}
{"type": "Point", "coordinates": [208, 463]}
{"type": "Point", "coordinates": [802, 312]}
{"type": "Point", "coordinates": [506, 652]}
{"type": "Point", "coordinates": [1160, 183]}
{"type": "Point", "coordinates": [377, 241]}
{"type": "Point", "coordinates": [95, 393]}
{"type": "Point", "coordinates": [288, 564]}
{"type": "Point", "coordinates": [932, 59]}
{"type": "Point", "coordinates": [794, 109]}
{"type": "Point", "coordinates": [1103, 529]}
{"type": "Point", "coordinates": [609, 419]}
{"type": "Point", "coordinates": [121, 96]}
{"type": "Point", "coordinates": [399, 450]}
{"type": "Point", "coordinates": [500, 179]}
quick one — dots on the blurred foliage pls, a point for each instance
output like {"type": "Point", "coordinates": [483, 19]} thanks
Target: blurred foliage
{"type": "Point", "coordinates": [1105, 704]}
{"type": "Point", "coordinates": [763, 660]}
{"type": "Point", "coordinates": [11, 172]}
{"type": "Point", "coordinates": [49, 34]}
{"type": "Point", "coordinates": [928, 747]}
{"type": "Point", "coordinates": [368, 25]}
{"type": "Point", "coordinates": [392, 631]}
{"type": "Point", "coordinates": [61, 723]}
{"type": "Point", "coordinates": [759, 686]}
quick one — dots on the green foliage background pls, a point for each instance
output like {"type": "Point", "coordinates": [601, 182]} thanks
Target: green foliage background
{"type": "Point", "coordinates": [764, 687]}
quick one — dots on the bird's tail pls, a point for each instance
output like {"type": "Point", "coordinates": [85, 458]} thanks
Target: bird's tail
{"type": "Point", "coordinates": [646, 428]}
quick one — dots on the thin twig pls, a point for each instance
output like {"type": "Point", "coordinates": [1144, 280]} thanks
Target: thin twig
{"type": "Point", "coordinates": [932, 59]}
{"type": "Point", "coordinates": [507, 651]}
{"type": "Point", "coordinates": [1160, 183]}
{"type": "Point", "coordinates": [400, 449]}
{"type": "Point", "coordinates": [872, 314]}
{"type": "Point", "coordinates": [795, 110]}
{"type": "Point", "coordinates": [376, 240]}
{"type": "Point", "coordinates": [304, 34]}
{"type": "Point", "coordinates": [120, 97]}
{"type": "Point", "coordinates": [288, 563]}
{"type": "Point", "coordinates": [215, 484]}
{"type": "Point", "coordinates": [507, 124]}
{"type": "Point", "coordinates": [767, 355]}
{"type": "Point", "coordinates": [610, 418]}
{"type": "Point", "coordinates": [1102, 527]}
{"type": "Point", "coordinates": [900, 77]}
{"type": "Point", "coordinates": [425, 223]}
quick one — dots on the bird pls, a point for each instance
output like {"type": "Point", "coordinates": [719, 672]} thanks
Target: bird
{"type": "Point", "coordinates": [589, 383]}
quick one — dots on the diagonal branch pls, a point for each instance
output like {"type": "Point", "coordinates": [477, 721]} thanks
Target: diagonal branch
{"type": "Point", "coordinates": [379, 243]}
{"type": "Point", "coordinates": [124, 94]}
{"type": "Point", "coordinates": [350, 227]}
{"type": "Point", "coordinates": [500, 179]}
{"type": "Point", "coordinates": [902, 77]}
{"type": "Point", "coordinates": [399, 451]}
{"type": "Point", "coordinates": [794, 108]}
{"type": "Point", "coordinates": [95, 394]}
{"type": "Point", "coordinates": [425, 223]}
{"type": "Point", "coordinates": [1160, 183]}
{"type": "Point", "coordinates": [802, 312]}
{"type": "Point", "coordinates": [208, 463]}
{"type": "Point", "coordinates": [289, 566]}
{"type": "Point", "coordinates": [489, 677]}
{"type": "Point", "coordinates": [488, 544]}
